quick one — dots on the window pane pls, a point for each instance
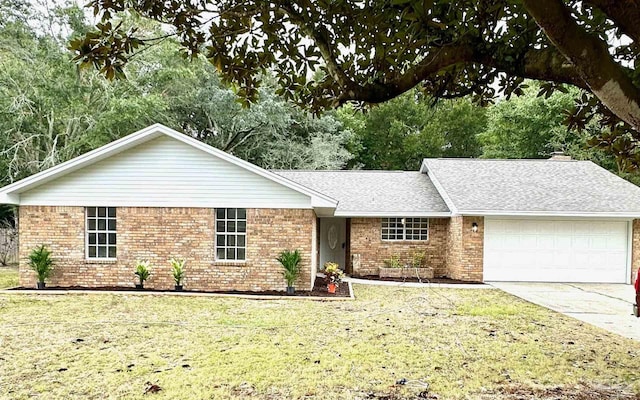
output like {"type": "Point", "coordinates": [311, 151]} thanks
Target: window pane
{"type": "Point", "coordinates": [112, 238]}
{"type": "Point", "coordinates": [91, 224]}
{"type": "Point", "coordinates": [92, 238]}
{"type": "Point", "coordinates": [231, 226]}
{"type": "Point", "coordinates": [102, 224]}
{"type": "Point", "coordinates": [220, 254]}
{"type": "Point", "coordinates": [231, 240]}
{"type": "Point", "coordinates": [231, 254]}
{"type": "Point", "coordinates": [102, 251]}
{"type": "Point", "coordinates": [240, 240]}
{"type": "Point", "coordinates": [91, 211]}
{"type": "Point", "coordinates": [102, 238]}
{"type": "Point", "coordinates": [220, 213]}
{"type": "Point", "coordinates": [231, 213]}
{"type": "Point", "coordinates": [92, 251]}
{"type": "Point", "coordinates": [112, 225]}
{"type": "Point", "coordinates": [242, 226]}
{"type": "Point", "coordinates": [102, 211]}
{"type": "Point", "coordinates": [112, 252]}
{"type": "Point", "coordinates": [241, 254]}
{"type": "Point", "coordinates": [242, 213]}
{"type": "Point", "coordinates": [220, 240]}
{"type": "Point", "coordinates": [112, 212]}
{"type": "Point", "coordinates": [220, 227]}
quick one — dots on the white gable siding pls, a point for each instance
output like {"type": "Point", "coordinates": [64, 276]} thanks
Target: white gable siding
{"type": "Point", "coordinates": [165, 172]}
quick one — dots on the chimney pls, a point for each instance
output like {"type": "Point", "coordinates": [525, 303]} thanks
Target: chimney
{"type": "Point", "coordinates": [559, 156]}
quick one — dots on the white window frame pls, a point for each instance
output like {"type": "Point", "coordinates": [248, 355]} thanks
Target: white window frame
{"type": "Point", "coordinates": [106, 231]}
{"type": "Point", "coordinates": [404, 222]}
{"type": "Point", "coordinates": [227, 234]}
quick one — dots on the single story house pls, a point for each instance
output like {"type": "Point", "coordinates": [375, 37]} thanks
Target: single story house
{"type": "Point", "coordinates": [158, 193]}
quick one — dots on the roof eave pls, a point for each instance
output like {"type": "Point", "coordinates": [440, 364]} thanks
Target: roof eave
{"type": "Point", "coordinates": [567, 214]}
{"type": "Point", "coordinates": [380, 214]}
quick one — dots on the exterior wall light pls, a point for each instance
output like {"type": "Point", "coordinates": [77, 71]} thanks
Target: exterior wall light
{"type": "Point", "coordinates": [474, 227]}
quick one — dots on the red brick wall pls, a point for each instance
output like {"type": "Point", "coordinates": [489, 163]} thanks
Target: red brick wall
{"type": "Point", "coordinates": [366, 241]}
{"type": "Point", "coordinates": [157, 234]}
{"type": "Point", "coordinates": [465, 249]}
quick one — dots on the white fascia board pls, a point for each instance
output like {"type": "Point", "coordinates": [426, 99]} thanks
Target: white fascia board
{"type": "Point", "coordinates": [424, 168]}
{"type": "Point", "coordinates": [6, 198]}
{"type": "Point", "coordinates": [366, 214]}
{"type": "Point", "coordinates": [568, 214]}
{"type": "Point", "coordinates": [144, 135]}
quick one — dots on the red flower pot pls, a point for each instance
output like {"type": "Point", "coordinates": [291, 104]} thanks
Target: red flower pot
{"type": "Point", "coordinates": [331, 288]}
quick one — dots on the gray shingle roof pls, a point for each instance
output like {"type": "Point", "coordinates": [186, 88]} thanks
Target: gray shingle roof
{"type": "Point", "coordinates": [373, 192]}
{"type": "Point", "coordinates": [530, 186]}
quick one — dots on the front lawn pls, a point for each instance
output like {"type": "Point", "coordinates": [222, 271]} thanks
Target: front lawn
{"type": "Point", "coordinates": [8, 277]}
{"type": "Point", "coordinates": [461, 343]}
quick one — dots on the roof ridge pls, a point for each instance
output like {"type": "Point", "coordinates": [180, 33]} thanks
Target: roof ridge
{"type": "Point", "coordinates": [503, 159]}
{"type": "Point", "coordinates": [343, 170]}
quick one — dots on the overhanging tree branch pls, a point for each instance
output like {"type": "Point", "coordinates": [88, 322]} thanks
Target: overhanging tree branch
{"type": "Point", "coordinates": [590, 55]}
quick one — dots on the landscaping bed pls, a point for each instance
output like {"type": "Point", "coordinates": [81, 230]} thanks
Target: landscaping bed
{"type": "Point", "coordinates": [319, 290]}
{"type": "Point", "coordinates": [416, 280]}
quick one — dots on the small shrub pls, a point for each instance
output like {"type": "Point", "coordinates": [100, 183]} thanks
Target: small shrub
{"type": "Point", "coordinates": [142, 270]}
{"type": "Point", "coordinates": [418, 258]}
{"type": "Point", "coordinates": [177, 265]}
{"type": "Point", "coordinates": [40, 261]}
{"type": "Point", "coordinates": [333, 273]}
{"type": "Point", "coordinates": [393, 262]}
{"type": "Point", "coordinates": [290, 261]}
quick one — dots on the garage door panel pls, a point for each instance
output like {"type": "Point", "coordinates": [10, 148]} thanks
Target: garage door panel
{"type": "Point", "coordinates": [555, 250]}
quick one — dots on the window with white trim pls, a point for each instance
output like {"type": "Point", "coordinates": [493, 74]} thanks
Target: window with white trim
{"type": "Point", "coordinates": [231, 234]}
{"type": "Point", "coordinates": [405, 229]}
{"type": "Point", "coordinates": [101, 232]}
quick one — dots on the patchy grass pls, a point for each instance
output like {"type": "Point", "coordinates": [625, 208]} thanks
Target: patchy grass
{"type": "Point", "coordinates": [8, 277]}
{"type": "Point", "coordinates": [461, 343]}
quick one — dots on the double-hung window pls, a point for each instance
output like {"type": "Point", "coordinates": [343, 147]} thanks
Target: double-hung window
{"type": "Point", "coordinates": [231, 234]}
{"type": "Point", "coordinates": [394, 229]}
{"type": "Point", "coordinates": [101, 232]}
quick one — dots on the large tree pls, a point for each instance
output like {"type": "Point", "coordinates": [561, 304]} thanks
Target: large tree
{"type": "Point", "coordinates": [374, 50]}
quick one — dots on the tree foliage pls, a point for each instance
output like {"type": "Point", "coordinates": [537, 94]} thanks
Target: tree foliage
{"type": "Point", "coordinates": [51, 112]}
{"type": "Point", "coordinates": [400, 133]}
{"type": "Point", "coordinates": [372, 51]}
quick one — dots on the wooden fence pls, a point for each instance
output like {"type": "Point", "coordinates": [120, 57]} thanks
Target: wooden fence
{"type": "Point", "coordinates": [8, 246]}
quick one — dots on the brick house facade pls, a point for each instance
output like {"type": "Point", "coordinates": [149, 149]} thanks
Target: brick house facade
{"type": "Point", "coordinates": [158, 234]}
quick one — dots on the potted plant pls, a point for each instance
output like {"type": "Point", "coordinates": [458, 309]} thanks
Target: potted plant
{"type": "Point", "coordinates": [177, 265]}
{"type": "Point", "coordinates": [142, 271]}
{"type": "Point", "coordinates": [40, 261]}
{"type": "Point", "coordinates": [333, 274]}
{"type": "Point", "coordinates": [290, 261]}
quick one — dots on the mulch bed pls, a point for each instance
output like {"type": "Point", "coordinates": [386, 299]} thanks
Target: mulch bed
{"type": "Point", "coordinates": [319, 290]}
{"type": "Point", "coordinates": [416, 280]}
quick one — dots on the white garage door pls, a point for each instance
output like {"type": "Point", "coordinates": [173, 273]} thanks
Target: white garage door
{"type": "Point", "coordinates": [555, 251]}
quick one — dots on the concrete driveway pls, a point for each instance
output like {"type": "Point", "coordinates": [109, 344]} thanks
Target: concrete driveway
{"type": "Point", "coordinates": [608, 306]}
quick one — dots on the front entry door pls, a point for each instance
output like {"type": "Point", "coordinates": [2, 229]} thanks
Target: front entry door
{"type": "Point", "coordinates": [333, 241]}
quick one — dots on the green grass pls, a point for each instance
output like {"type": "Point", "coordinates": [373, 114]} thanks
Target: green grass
{"type": "Point", "coordinates": [8, 277]}
{"type": "Point", "coordinates": [463, 343]}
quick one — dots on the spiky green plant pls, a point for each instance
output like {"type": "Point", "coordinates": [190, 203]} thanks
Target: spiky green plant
{"type": "Point", "coordinates": [40, 261]}
{"type": "Point", "coordinates": [177, 265]}
{"type": "Point", "coordinates": [142, 271]}
{"type": "Point", "coordinates": [290, 261]}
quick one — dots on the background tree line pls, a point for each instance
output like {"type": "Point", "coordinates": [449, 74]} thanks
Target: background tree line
{"type": "Point", "coordinates": [50, 111]}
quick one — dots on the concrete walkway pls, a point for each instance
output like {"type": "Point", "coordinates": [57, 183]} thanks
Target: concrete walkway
{"type": "Point", "coordinates": [608, 306]}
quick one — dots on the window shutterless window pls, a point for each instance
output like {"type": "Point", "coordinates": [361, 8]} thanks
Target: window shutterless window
{"type": "Point", "coordinates": [405, 229]}
{"type": "Point", "coordinates": [101, 232]}
{"type": "Point", "coordinates": [231, 233]}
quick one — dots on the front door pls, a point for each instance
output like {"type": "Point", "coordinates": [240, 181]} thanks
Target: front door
{"type": "Point", "coordinates": [333, 241]}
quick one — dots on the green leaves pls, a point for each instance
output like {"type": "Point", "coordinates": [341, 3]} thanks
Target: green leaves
{"type": "Point", "coordinates": [290, 261]}
{"type": "Point", "coordinates": [41, 262]}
